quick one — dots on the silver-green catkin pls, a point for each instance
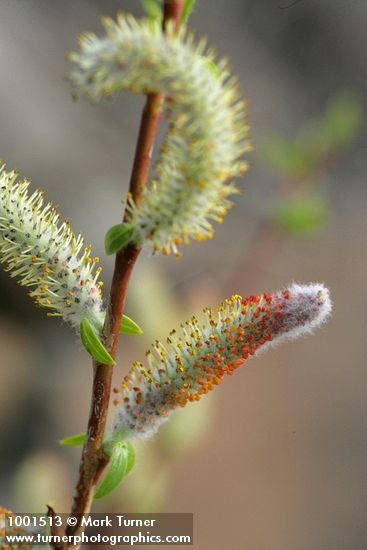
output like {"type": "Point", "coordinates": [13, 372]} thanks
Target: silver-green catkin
{"type": "Point", "coordinates": [208, 132]}
{"type": "Point", "coordinates": [45, 255]}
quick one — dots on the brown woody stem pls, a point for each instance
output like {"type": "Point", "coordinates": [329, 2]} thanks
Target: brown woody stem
{"type": "Point", "coordinates": [93, 460]}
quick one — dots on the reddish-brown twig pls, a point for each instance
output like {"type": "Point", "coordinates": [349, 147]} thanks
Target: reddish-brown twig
{"type": "Point", "coordinates": [93, 460]}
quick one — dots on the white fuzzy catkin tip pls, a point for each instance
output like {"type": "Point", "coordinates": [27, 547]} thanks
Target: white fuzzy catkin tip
{"type": "Point", "coordinates": [195, 360]}
{"type": "Point", "coordinates": [44, 254]}
{"type": "Point", "coordinates": [208, 130]}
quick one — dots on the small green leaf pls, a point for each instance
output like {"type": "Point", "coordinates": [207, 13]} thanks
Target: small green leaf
{"type": "Point", "coordinates": [117, 237]}
{"type": "Point", "coordinates": [93, 345]}
{"type": "Point", "coordinates": [128, 326]}
{"type": "Point", "coordinates": [121, 461]}
{"type": "Point", "coordinates": [187, 9]}
{"type": "Point", "coordinates": [153, 8]}
{"type": "Point", "coordinates": [77, 439]}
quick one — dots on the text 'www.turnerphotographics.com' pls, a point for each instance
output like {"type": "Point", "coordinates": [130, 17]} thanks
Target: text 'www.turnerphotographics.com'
{"type": "Point", "coordinates": [113, 529]}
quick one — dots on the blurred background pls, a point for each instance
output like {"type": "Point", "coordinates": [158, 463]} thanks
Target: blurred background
{"type": "Point", "coordinates": [276, 458]}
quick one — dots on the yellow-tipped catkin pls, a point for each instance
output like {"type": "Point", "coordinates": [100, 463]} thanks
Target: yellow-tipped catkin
{"type": "Point", "coordinates": [207, 135]}
{"type": "Point", "coordinates": [44, 254]}
{"type": "Point", "coordinates": [194, 361]}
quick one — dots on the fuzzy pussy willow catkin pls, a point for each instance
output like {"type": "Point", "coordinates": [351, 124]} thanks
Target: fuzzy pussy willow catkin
{"type": "Point", "coordinates": [195, 361]}
{"type": "Point", "coordinates": [207, 133]}
{"type": "Point", "coordinates": [44, 254]}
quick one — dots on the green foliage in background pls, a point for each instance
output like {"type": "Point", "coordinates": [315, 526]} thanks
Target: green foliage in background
{"type": "Point", "coordinates": [302, 214]}
{"type": "Point", "coordinates": [301, 164]}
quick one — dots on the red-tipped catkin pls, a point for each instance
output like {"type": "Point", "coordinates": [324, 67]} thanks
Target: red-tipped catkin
{"type": "Point", "coordinates": [193, 362]}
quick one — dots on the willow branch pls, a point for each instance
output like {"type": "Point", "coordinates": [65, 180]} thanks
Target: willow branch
{"type": "Point", "coordinates": [93, 460]}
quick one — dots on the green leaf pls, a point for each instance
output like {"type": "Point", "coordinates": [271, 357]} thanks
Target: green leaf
{"type": "Point", "coordinates": [117, 237]}
{"type": "Point", "coordinates": [93, 345]}
{"type": "Point", "coordinates": [153, 8]}
{"type": "Point", "coordinates": [122, 457]}
{"type": "Point", "coordinates": [304, 214]}
{"type": "Point", "coordinates": [128, 326]}
{"type": "Point", "coordinates": [187, 9]}
{"type": "Point", "coordinates": [77, 439]}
